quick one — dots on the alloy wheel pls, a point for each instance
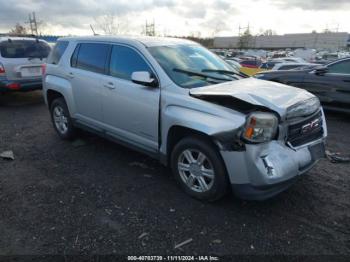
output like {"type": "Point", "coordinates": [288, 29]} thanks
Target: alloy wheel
{"type": "Point", "coordinates": [196, 170]}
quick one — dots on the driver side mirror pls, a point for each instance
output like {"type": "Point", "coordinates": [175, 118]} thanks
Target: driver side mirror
{"type": "Point", "coordinates": [321, 71]}
{"type": "Point", "coordinates": [144, 78]}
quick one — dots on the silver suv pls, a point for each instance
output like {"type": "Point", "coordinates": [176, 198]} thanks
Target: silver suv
{"type": "Point", "coordinates": [178, 102]}
{"type": "Point", "coordinates": [21, 60]}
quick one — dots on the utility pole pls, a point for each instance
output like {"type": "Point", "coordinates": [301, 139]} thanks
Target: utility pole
{"type": "Point", "coordinates": [150, 29]}
{"type": "Point", "coordinates": [243, 29]}
{"type": "Point", "coordinates": [33, 24]}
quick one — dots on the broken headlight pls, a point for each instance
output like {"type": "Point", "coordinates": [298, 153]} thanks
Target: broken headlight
{"type": "Point", "coordinates": [304, 108]}
{"type": "Point", "coordinates": [260, 127]}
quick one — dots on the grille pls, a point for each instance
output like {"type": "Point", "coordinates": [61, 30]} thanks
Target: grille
{"type": "Point", "coordinates": [306, 131]}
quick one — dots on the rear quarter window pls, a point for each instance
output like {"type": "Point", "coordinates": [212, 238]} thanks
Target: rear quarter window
{"type": "Point", "coordinates": [24, 49]}
{"type": "Point", "coordinates": [57, 52]}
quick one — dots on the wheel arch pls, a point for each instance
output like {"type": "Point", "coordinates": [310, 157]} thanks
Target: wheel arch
{"type": "Point", "coordinates": [179, 122]}
{"type": "Point", "coordinates": [177, 132]}
{"type": "Point", "coordinates": [51, 95]}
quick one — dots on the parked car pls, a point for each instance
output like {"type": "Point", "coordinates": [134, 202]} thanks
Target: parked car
{"type": "Point", "coordinates": [181, 104]}
{"type": "Point", "coordinates": [289, 60]}
{"type": "Point", "coordinates": [251, 66]}
{"type": "Point", "coordinates": [289, 66]}
{"type": "Point", "coordinates": [20, 63]}
{"type": "Point", "coordinates": [237, 66]}
{"type": "Point", "coordinates": [331, 83]}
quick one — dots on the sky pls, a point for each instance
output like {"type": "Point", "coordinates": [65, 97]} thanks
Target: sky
{"type": "Point", "coordinates": [204, 18]}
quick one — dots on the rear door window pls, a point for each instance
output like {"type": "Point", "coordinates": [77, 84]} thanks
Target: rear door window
{"type": "Point", "coordinates": [57, 52]}
{"type": "Point", "coordinates": [91, 57]}
{"type": "Point", "coordinates": [125, 61]}
{"type": "Point", "coordinates": [24, 49]}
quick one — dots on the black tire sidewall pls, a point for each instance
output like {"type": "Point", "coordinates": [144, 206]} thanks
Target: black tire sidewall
{"type": "Point", "coordinates": [221, 183]}
{"type": "Point", "coordinates": [71, 130]}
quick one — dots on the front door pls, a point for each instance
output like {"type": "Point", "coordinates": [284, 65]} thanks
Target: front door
{"type": "Point", "coordinates": [130, 110]}
{"type": "Point", "coordinates": [333, 87]}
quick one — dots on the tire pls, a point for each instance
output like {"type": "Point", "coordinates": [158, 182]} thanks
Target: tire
{"type": "Point", "coordinates": [61, 120]}
{"type": "Point", "coordinates": [216, 180]}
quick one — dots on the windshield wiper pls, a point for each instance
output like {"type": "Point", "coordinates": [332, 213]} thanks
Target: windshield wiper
{"type": "Point", "coordinates": [195, 73]}
{"type": "Point", "coordinates": [225, 72]}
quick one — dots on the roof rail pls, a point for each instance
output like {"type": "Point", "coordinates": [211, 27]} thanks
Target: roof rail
{"type": "Point", "coordinates": [20, 35]}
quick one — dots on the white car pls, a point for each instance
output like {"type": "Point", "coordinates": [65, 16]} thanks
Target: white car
{"type": "Point", "coordinates": [237, 66]}
{"type": "Point", "coordinates": [21, 59]}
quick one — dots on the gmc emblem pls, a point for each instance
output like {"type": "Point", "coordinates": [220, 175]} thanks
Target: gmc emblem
{"type": "Point", "coordinates": [311, 126]}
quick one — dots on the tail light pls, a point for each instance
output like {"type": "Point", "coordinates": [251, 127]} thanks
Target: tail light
{"type": "Point", "coordinates": [43, 69]}
{"type": "Point", "coordinates": [14, 86]}
{"type": "Point", "coordinates": [2, 70]}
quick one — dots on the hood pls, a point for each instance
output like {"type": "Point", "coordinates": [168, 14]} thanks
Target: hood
{"type": "Point", "coordinates": [261, 93]}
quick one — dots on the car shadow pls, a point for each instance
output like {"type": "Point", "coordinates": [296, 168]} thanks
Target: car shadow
{"type": "Point", "coordinates": [19, 99]}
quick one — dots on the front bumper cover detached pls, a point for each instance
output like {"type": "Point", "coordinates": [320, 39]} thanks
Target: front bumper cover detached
{"type": "Point", "coordinates": [263, 171]}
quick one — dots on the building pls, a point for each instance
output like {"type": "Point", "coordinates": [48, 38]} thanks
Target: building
{"type": "Point", "coordinates": [329, 41]}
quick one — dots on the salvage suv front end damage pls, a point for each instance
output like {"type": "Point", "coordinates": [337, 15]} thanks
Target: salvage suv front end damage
{"type": "Point", "coordinates": [260, 166]}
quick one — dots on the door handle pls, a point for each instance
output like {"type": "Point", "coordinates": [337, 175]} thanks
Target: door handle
{"type": "Point", "coordinates": [109, 85]}
{"type": "Point", "coordinates": [70, 75]}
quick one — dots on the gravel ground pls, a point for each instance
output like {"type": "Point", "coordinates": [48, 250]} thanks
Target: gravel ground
{"type": "Point", "coordinates": [97, 197]}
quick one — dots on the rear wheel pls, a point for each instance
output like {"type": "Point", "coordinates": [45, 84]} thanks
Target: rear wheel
{"type": "Point", "coordinates": [199, 169]}
{"type": "Point", "coordinates": [61, 119]}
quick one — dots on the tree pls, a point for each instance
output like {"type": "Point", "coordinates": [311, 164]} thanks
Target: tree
{"type": "Point", "coordinates": [245, 39]}
{"type": "Point", "coordinates": [111, 25]}
{"type": "Point", "coordinates": [18, 30]}
{"type": "Point", "coordinates": [269, 32]}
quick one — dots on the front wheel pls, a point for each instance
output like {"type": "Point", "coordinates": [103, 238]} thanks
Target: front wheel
{"type": "Point", "coordinates": [199, 169]}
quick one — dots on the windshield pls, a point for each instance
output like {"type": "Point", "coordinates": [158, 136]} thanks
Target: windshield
{"type": "Point", "coordinates": [24, 49]}
{"type": "Point", "coordinates": [192, 66]}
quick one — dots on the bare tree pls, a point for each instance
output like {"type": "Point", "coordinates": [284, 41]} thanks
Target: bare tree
{"type": "Point", "coordinates": [111, 25]}
{"type": "Point", "coordinates": [219, 26]}
{"type": "Point", "coordinates": [269, 32]}
{"type": "Point", "coordinates": [18, 30]}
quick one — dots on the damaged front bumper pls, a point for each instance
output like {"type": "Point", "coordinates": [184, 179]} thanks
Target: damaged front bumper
{"type": "Point", "coordinates": [264, 170]}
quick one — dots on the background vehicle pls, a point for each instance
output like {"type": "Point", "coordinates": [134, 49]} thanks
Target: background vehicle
{"type": "Point", "coordinates": [331, 83]}
{"type": "Point", "coordinates": [234, 64]}
{"type": "Point", "coordinates": [21, 60]}
{"type": "Point", "coordinates": [289, 66]}
{"type": "Point", "coordinates": [180, 103]}
{"type": "Point", "coordinates": [289, 60]}
{"type": "Point", "coordinates": [251, 66]}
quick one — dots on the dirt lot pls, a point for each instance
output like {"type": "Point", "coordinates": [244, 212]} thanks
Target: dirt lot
{"type": "Point", "coordinates": [59, 197]}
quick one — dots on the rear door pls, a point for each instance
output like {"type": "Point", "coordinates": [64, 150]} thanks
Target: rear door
{"type": "Point", "coordinates": [332, 88]}
{"type": "Point", "coordinates": [88, 65]}
{"type": "Point", "coordinates": [130, 110]}
{"type": "Point", "coordinates": [22, 59]}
